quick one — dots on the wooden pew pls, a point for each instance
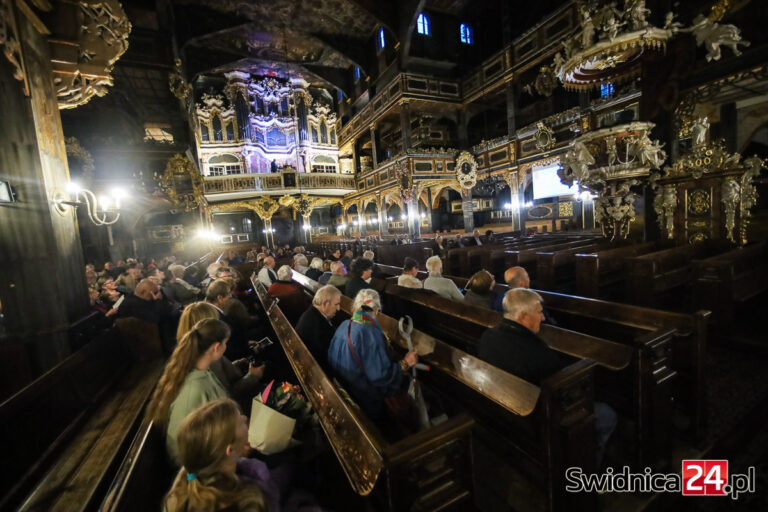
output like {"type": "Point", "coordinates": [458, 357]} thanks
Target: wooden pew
{"type": "Point", "coordinates": [428, 470]}
{"type": "Point", "coordinates": [602, 274]}
{"type": "Point", "coordinates": [613, 320]}
{"type": "Point", "coordinates": [730, 278]}
{"type": "Point", "coordinates": [555, 268]}
{"type": "Point", "coordinates": [639, 387]}
{"type": "Point", "coordinates": [543, 440]}
{"type": "Point", "coordinates": [654, 274]}
{"type": "Point", "coordinates": [68, 429]}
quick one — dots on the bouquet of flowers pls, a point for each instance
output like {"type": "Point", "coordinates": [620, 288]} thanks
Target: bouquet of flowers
{"type": "Point", "coordinates": [285, 398]}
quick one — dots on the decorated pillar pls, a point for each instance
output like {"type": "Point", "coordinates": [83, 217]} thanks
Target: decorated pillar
{"type": "Point", "coordinates": [361, 219]}
{"type": "Point", "coordinates": [512, 180]}
{"type": "Point", "coordinates": [466, 175]}
{"type": "Point", "coordinates": [237, 93]}
{"type": "Point", "coordinates": [381, 205]}
{"type": "Point", "coordinates": [265, 208]}
{"type": "Point", "coordinates": [414, 220]}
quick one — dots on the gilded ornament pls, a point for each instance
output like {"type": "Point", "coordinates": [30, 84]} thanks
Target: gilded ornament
{"type": "Point", "coordinates": [183, 184]}
{"type": "Point", "coordinates": [466, 170]}
{"type": "Point", "coordinates": [565, 209]}
{"type": "Point", "coordinates": [699, 202]}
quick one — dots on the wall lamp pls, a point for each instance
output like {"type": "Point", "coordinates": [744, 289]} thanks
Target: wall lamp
{"type": "Point", "coordinates": [99, 210]}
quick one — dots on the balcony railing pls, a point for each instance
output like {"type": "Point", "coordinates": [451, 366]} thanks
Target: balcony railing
{"type": "Point", "coordinates": [277, 182]}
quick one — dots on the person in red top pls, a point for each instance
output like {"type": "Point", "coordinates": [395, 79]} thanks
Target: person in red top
{"type": "Point", "coordinates": [284, 285]}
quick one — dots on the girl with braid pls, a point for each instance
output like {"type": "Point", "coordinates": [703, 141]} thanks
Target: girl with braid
{"type": "Point", "coordinates": [187, 381]}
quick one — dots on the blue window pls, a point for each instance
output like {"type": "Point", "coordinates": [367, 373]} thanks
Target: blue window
{"type": "Point", "coordinates": [465, 33]}
{"type": "Point", "coordinates": [382, 41]}
{"type": "Point", "coordinates": [422, 24]}
{"type": "Point", "coordinates": [357, 73]}
{"type": "Point", "coordinates": [606, 90]}
{"type": "Point", "coordinates": [340, 95]}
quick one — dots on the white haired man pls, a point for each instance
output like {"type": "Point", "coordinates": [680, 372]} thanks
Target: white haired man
{"type": "Point", "coordinates": [439, 284]}
{"type": "Point", "coordinates": [284, 284]}
{"type": "Point", "coordinates": [514, 347]}
{"type": "Point", "coordinates": [377, 273]}
{"type": "Point", "coordinates": [267, 274]}
{"type": "Point", "coordinates": [316, 325]}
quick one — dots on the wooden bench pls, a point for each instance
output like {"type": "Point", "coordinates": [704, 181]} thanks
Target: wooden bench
{"type": "Point", "coordinates": [430, 470]}
{"type": "Point", "coordinates": [633, 373]}
{"type": "Point", "coordinates": [540, 431]}
{"type": "Point", "coordinates": [556, 268]}
{"type": "Point", "coordinates": [730, 278]}
{"type": "Point", "coordinates": [67, 431]}
{"type": "Point", "coordinates": [653, 275]}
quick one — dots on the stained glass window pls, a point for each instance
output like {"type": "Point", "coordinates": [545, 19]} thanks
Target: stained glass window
{"type": "Point", "coordinates": [382, 41]}
{"type": "Point", "coordinates": [465, 33]}
{"type": "Point", "coordinates": [422, 24]}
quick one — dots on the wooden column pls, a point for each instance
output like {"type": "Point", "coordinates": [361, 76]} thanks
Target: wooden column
{"type": "Point", "coordinates": [467, 210]}
{"type": "Point", "coordinates": [382, 209]}
{"type": "Point", "coordinates": [405, 124]}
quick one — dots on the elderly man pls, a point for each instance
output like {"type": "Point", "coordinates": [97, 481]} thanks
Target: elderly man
{"type": "Point", "coordinates": [408, 278]}
{"type": "Point", "coordinates": [339, 276]}
{"type": "Point", "coordinates": [515, 347]}
{"type": "Point", "coordinates": [316, 325]}
{"type": "Point", "coordinates": [476, 239]}
{"type": "Point", "coordinates": [144, 303]}
{"type": "Point", "coordinates": [515, 277]}
{"type": "Point", "coordinates": [267, 274]}
{"type": "Point", "coordinates": [439, 284]}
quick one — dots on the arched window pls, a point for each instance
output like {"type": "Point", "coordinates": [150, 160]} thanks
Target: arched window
{"type": "Point", "coordinates": [216, 125]}
{"type": "Point", "coordinates": [357, 73]}
{"type": "Point", "coordinates": [247, 225]}
{"type": "Point", "coordinates": [314, 134]}
{"type": "Point", "coordinates": [333, 136]}
{"type": "Point", "coordinates": [204, 135]}
{"type": "Point", "coordinates": [382, 42]}
{"type": "Point", "coordinates": [230, 129]}
{"type": "Point", "coordinates": [465, 33]}
{"type": "Point", "coordinates": [422, 24]}
{"type": "Point", "coordinates": [243, 123]}
{"type": "Point", "coordinates": [323, 133]}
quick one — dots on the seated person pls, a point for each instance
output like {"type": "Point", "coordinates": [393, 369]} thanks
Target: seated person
{"type": "Point", "coordinates": [316, 325]}
{"type": "Point", "coordinates": [267, 274]}
{"type": "Point", "coordinates": [438, 248]}
{"type": "Point", "coordinates": [211, 274]}
{"type": "Point", "coordinates": [146, 303]}
{"type": "Point", "coordinates": [187, 382]}
{"type": "Point", "coordinates": [457, 242]}
{"type": "Point", "coordinates": [315, 269]}
{"type": "Point", "coordinates": [408, 278]}
{"type": "Point", "coordinates": [480, 290]}
{"type": "Point", "coordinates": [490, 237]}
{"type": "Point", "coordinates": [439, 284]}
{"type": "Point", "coordinates": [284, 284]}
{"type": "Point", "coordinates": [358, 356]}
{"type": "Point", "coordinates": [515, 277]}
{"type": "Point", "coordinates": [360, 272]}
{"type": "Point", "coordinates": [377, 273]}
{"type": "Point", "coordinates": [219, 295]}
{"type": "Point", "coordinates": [338, 275]}
{"type": "Point", "coordinates": [347, 258]}
{"type": "Point", "coordinates": [335, 255]}
{"type": "Point", "coordinates": [178, 273]}
{"type": "Point", "coordinates": [326, 275]}
{"type": "Point", "coordinates": [241, 379]}
{"type": "Point", "coordinates": [211, 443]}
{"type": "Point", "coordinates": [300, 264]}
{"type": "Point", "coordinates": [476, 238]}
{"type": "Point", "coordinates": [514, 347]}
{"type": "Point", "coordinates": [176, 291]}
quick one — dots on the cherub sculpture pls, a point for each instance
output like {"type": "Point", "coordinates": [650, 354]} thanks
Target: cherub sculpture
{"type": "Point", "coordinates": [712, 35]}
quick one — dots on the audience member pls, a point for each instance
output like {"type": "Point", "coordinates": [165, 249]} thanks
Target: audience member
{"type": "Point", "coordinates": [326, 275]}
{"type": "Point", "coordinates": [267, 274]}
{"type": "Point", "coordinates": [315, 269]}
{"type": "Point", "coordinates": [476, 238]}
{"type": "Point", "coordinates": [187, 381]}
{"type": "Point", "coordinates": [360, 271]}
{"type": "Point", "coordinates": [316, 325]}
{"type": "Point", "coordinates": [335, 255]}
{"type": "Point", "coordinates": [347, 259]}
{"type": "Point", "coordinates": [408, 278]}
{"type": "Point", "coordinates": [212, 442]}
{"type": "Point", "coordinates": [300, 264]}
{"type": "Point", "coordinates": [480, 290]}
{"type": "Point", "coordinates": [377, 273]}
{"type": "Point", "coordinates": [438, 249]}
{"type": "Point", "coordinates": [439, 284]}
{"type": "Point", "coordinates": [338, 275]}
{"type": "Point", "coordinates": [284, 284]}
{"type": "Point", "coordinates": [358, 356]}
{"type": "Point", "coordinates": [457, 242]}
{"type": "Point", "coordinates": [515, 347]}
{"type": "Point", "coordinates": [218, 295]}
{"type": "Point", "coordinates": [241, 379]}
{"type": "Point", "coordinates": [515, 277]}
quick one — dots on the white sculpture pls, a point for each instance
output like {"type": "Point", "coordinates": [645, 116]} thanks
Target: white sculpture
{"type": "Point", "coordinates": [588, 29]}
{"type": "Point", "coordinates": [712, 35]}
{"type": "Point", "coordinates": [649, 152]}
{"type": "Point", "coordinates": [637, 13]}
{"type": "Point", "coordinates": [670, 23]}
{"type": "Point", "coordinates": [699, 129]}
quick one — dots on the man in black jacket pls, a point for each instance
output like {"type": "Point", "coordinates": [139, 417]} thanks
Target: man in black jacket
{"type": "Point", "coordinates": [514, 347]}
{"type": "Point", "coordinates": [316, 326]}
{"type": "Point", "coordinates": [361, 271]}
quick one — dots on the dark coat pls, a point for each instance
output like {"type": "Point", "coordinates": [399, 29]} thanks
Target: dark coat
{"type": "Point", "coordinates": [515, 349]}
{"type": "Point", "coordinates": [437, 251]}
{"type": "Point", "coordinates": [354, 285]}
{"type": "Point", "coordinates": [313, 273]}
{"type": "Point", "coordinates": [316, 332]}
